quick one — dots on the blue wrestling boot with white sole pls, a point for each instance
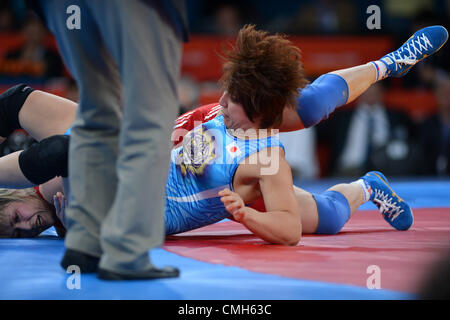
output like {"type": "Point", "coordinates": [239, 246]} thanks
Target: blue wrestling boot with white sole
{"type": "Point", "coordinates": [393, 208]}
{"type": "Point", "coordinates": [420, 45]}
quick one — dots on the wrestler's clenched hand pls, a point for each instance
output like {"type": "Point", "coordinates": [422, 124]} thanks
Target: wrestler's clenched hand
{"type": "Point", "coordinates": [233, 204]}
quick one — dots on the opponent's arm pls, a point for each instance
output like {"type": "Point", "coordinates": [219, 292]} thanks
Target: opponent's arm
{"type": "Point", "coordinates": [281, 224]}
{"type": "Point", "coordinates": [51, 188]}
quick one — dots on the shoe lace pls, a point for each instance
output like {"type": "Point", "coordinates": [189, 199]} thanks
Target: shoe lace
{"type": "Point", "coordinates": [410, 51]}
{"type": "Point", "coordinates": [386, 204]}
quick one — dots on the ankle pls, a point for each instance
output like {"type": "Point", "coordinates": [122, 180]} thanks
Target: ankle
{"type": "Point", "coordinates": [380, 68]}
{"type": "Point", "coordinates": [366, 189]}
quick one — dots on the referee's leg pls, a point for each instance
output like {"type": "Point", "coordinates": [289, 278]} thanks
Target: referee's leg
{"type": "Point", "coordinates": [148, 53]}
{"type": "Point", "coordinates": [94, 137]}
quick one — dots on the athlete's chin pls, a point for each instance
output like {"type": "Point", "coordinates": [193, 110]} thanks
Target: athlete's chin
{"type": "Point", "coordinates": [226, 121]}
{"type": "Point", "coordinates": [229, 123]}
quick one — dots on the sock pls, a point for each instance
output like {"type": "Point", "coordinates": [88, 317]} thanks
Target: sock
{"type": "Point", "coordinates": [381, 69]}
{"type": "Point", "coordinates": [367, 189]}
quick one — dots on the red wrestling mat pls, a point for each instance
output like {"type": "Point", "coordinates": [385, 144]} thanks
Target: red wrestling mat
{"type": "Point", "coordinates": [402, 256]}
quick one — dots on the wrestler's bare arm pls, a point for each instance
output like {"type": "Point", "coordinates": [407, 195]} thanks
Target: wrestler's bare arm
{"type": "Point", "coordinates": [51, 188]}
{"type": "Point", "coordinates": [281, 224]}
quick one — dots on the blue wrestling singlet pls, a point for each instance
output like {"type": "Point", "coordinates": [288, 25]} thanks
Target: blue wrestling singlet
{"type": "Point", "coordinates": [200, 168]}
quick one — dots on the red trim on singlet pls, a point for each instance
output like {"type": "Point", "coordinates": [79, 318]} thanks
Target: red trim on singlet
{"type": "Point", "coordinates": [38, 192]}
{"type": "Point", "coordinates": [186, 122]}
{"type": "Point", "coordinates": [189, 120]}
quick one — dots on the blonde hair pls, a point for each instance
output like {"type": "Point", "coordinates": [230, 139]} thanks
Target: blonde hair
{"type": "Point", "coordinates": [9, 196]}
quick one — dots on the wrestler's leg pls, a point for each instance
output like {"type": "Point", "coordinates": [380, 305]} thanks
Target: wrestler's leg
{"type": "Point", "coordinates": [335, 89]}
{"type": "Point", "coordinates": [327, 93]}
{"type": "Point", "coordinates": [349, 197]}
{"type": "Point", "coordinates": [44, 114]}
{"type": "Point", "coordinates": [37, 164]}
{"type": "Point", "coordinates": [330, 91]}
{"type": "Point", "coordinates": [358, 79]}
{"type": "Point", "coordinates": [335, 206]}
{"type": "Point", "coordinates": [39, 113]}
{"type": "Point", "coordinates": [353, 193]}
{"type": "Point", "coordinates": [308, 206]}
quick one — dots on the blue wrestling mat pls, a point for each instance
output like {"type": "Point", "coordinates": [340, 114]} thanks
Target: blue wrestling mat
{"type": "Point", "coordinates": [30, 270]}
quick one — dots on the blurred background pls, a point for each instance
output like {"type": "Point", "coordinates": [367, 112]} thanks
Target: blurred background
{"type": "Point", "coordinates": [411, 115]}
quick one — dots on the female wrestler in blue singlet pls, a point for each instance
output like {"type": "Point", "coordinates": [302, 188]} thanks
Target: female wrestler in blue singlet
{"type": "Point", "coordinates": [255, 92]}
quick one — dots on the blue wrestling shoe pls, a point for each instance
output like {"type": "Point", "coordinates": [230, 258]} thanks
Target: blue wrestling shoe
{"type": "Point", "coordinates": [422, 44]}
{"type": "Point", "coordinates": [394, 209]}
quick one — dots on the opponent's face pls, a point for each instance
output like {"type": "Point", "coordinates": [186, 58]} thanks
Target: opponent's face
{"type": "Point", "coordinates": [233, 114]}
{"type": "Point", "coordinates": [27, 219]}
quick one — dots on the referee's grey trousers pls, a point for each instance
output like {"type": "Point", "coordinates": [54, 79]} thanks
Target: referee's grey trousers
{"type": "Point", "coordinates": [125, 59]}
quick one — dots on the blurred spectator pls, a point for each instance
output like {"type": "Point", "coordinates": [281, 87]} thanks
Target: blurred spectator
{"type": "Point", "coordinates": [7, 21]}
{"type": "Point", "coordinates": [401, 13]}
{"type": "Point", "coordinates": [300, 148]}
{"type": "Point", "coordinates": [188, 94]}
{"type": "Point", "coordinates": [325, 16]}
{"type": "Point", "coordinates": [407, 8]}
{"type": "Point", "coordinates": [34, 58]}
{"type": "Point", "coordinates": [227, 20]}
{"type": "Point", "coordinates": [370, 137]}
{"type": "Point", "coordinates": [435, 136]}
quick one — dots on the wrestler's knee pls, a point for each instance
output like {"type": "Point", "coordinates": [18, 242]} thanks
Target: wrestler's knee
{"type": "Point", "coordinates": [46, 159]}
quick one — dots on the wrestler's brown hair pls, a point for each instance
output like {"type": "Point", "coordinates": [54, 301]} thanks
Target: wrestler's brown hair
{"type": "Point", "coordinates": [263, 73]}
